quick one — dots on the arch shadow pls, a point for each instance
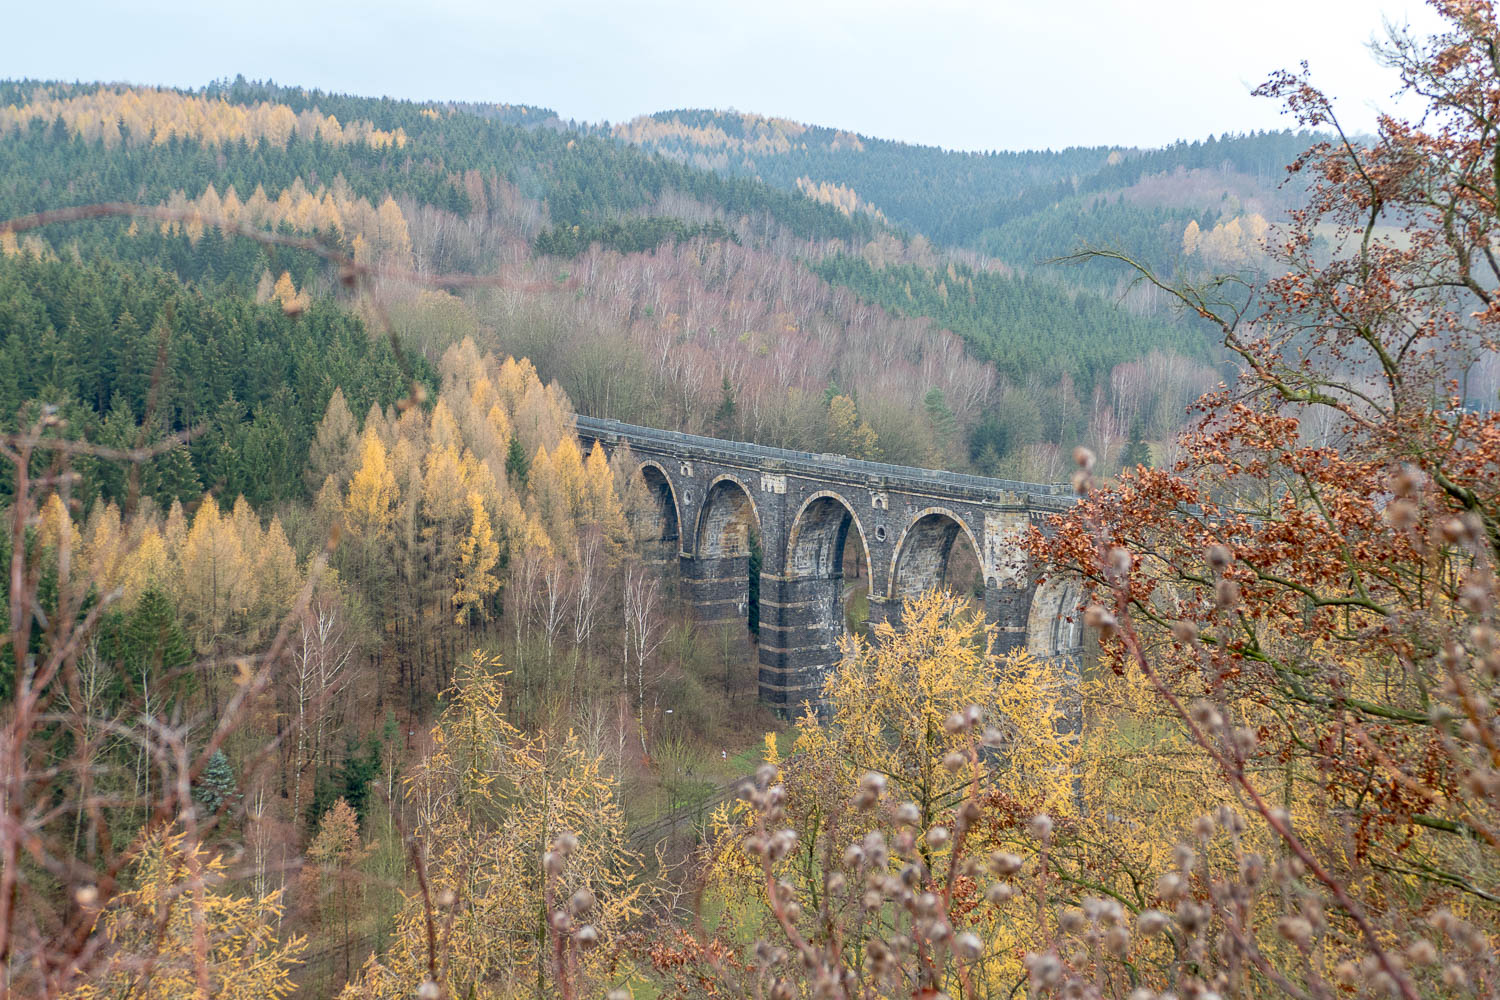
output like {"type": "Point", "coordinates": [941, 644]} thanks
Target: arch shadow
{"type": "Point", "coordinates": [922, 553]}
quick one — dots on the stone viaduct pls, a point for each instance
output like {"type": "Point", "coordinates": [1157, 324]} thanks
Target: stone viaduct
{"type": "Point", "coordinates": [710, 494]}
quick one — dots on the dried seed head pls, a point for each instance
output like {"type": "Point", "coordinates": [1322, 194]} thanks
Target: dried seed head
{"type": "Point", "coordinates": [1422, 952]}
{"type": "Point", "coordinates": [938, 837]}
{"type": "Point", "coordinates": [1401, 515]}
{"type": "Point", "coordinates": [1185, 632]}
{"type": "Point", "coordinates": [907, 814]}
{"type": "Point", "coordinates": [446, 898]}
{"type": "Point", "coordinates": [873, 782]}
{"type": "Point", "coordinates": [581, 901]}
{"type": "Point", "coordinates": [1045, 970]}
{"type": "Point", "coordinates": [560, 921]}
{"type": "Point", "coordinates": [765, 774]}
{"type": "Point", "coordinates": [428, 990]}
{"type": "Point", "coordinates": [999, 892]}
{"type": "Point", "coordinates": [1477, 592]}
{"type": "Point", "coordinates": [1117, 941]}
{"type": "Point", "coordinates": [552, 863]}
{"type": "Point", "coordinates": [1407, 482]}
{"type": "Point", "coordinates": [86, 896]}
{"type": "Point", "coordinates": [968, 946]}
{"type": "Point", "coordinates": [1191, 915]}
{"type": "Point", "coordinates": [955, 723]}
{"type": "Point", "coordinates": [853, 855]}
{"type": "Point", "coordinates": [1041, 826]}
{"type": "Point", "coordinates": [993, 738]}
{"type": "Point", "coordinates": [1229, 819]}
{"type": "Point", "coordinates": [1072, 920]}
{"type": "Point", "coordinates": [1004, 863]}
{"type": "Point", "coordinates": [1205, 714]}
{"type": "Point", "coordinates": [566, 843]}
{"type": "Point", "coordinates": [1098, 617]}
{"type": "Point", "coordinates": [587, 937]}
{"type": "Point", "coordinates": [1170, 886]}
{"type": "Point", "coordinates": [954, 760]}
{"type": "Point", "coordinates": [781, 844]}
{"type": "Point", "coordinates": [1120, 561]}
{"type": "Point", "coordinates": [1453, 530]}
{"type": "Point", "coordinates": [1084, 459]}
{"type": "Point", "coordinates": [906, 843]}
{"type": "Point", "coordinates": [1082, 483]}
{"type": "Point", "coordinates": [1296, 930]}
{"type": "Point", "coordinates": [1226, 593]}
{"type": "Point", "coordinates": [1219, 557]}
{"type": "Point", "coordinates": [1151, 922]}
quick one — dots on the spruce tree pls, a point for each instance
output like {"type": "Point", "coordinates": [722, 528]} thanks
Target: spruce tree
{"type": "Point", "coordinates": [215, 785]}
{"type": "Point", "coordinates": [1137, 452]}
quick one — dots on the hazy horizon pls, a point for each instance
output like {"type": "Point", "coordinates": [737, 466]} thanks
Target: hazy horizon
{"type": "Point", "coordinates": [960, 75]}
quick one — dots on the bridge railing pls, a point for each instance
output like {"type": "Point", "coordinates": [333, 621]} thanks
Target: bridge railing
{"type": "Point", "coordinates": [817, 462]}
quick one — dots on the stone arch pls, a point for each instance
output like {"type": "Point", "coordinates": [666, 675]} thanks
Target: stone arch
{"type": "Point", "coordinates": [819, 532]}
{"type": "Point", "coordinates": [920, 559]}
{"type": "Point", "coordinates": [725, 519]}
{"type": "Point", "coordinates": [1054, 626]}
{"type": "Point", "coordinates": [669, 511]}
{"type": "Point", "coordinates": [802, 607]}
{"type": "Point", "coordinates": [717, 569]}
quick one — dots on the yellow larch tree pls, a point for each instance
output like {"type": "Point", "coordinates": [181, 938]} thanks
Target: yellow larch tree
{"type": "Point", "coordinates": [181, 932]}
{"type": "Point", "coordinates": [847, 433]}
{"type": "Point", "coordinates": [370, 504]}
{"type": "Point", "coordinates": [104, 546]}
{"type": "Point", "coordinates": [489, 801]}
{"type": "Point", "coordinates": [549, 503]}
{"type": "Point", "coordinates": [477, 557]}
{"type": "Point", "coordinates": [215, 575]}
{"type": "Point", "coordinates": [602, 505]}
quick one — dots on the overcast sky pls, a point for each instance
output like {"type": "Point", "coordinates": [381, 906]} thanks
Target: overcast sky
{"type": "Point", "coordinates": [966, 74]}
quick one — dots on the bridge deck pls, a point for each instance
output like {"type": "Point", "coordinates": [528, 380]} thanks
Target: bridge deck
{"type": "Point", "coordinates": [816, 465]}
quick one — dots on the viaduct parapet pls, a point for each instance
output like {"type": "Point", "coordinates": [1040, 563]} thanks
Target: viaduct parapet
{"type": "Point", "coordinates": [711, 494]}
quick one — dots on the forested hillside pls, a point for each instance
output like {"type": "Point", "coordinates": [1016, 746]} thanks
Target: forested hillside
{"type": "Point", "coordinates": [590, 255]}
{"type": "Point", "coordinates": [335, 665]}
{"type": "Point", "coordinates": [1020, 207]}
